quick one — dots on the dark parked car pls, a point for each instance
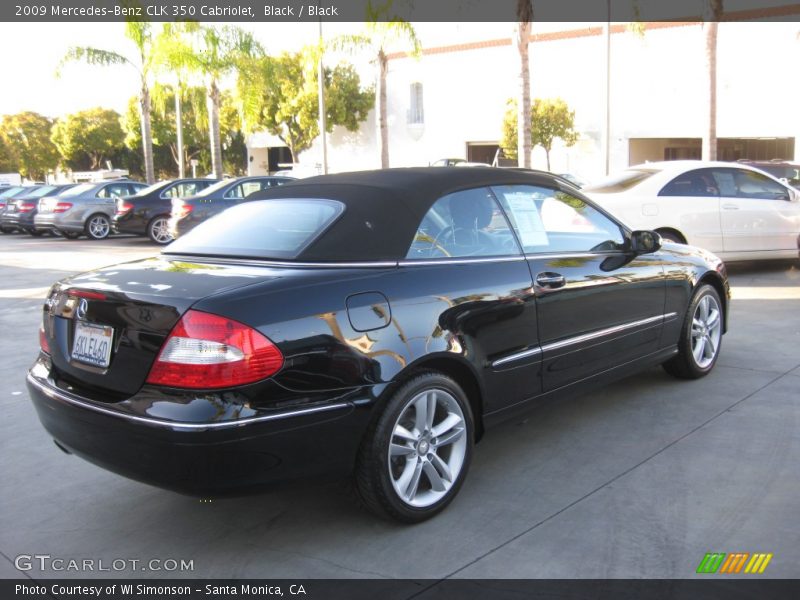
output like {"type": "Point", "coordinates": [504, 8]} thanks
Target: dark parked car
{"type": "Point", "coordinates": [21, 209]}
{"type": "Point", "coordinates": [374, 323]}
{"type": "Point", "coordinates": [147, 212]}
{"type": "Point", "coordinates": [189, 212]}
{"type": "Point", "coordinates": [7, 194]}
{"type": "Point", "coordinates": [780, 169]}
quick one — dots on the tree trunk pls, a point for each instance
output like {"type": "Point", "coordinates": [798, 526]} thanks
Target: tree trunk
{"type": "Point", "coordinates": [383, 64]}
{"type": "Point", "coordinates": [213, 103]}
{"type": "Point", "coordinates": [524, 16]}
{"type": "Point", "coordinates": [547, 154]}
{"type": "Point", "coordinates": [179, 132]}
{"type": "Point", "coordinates": [712, 15]}
{"type": "Point", "coordinates": [147, 134]}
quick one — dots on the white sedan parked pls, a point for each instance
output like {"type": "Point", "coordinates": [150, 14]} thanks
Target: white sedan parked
{"type": "Point", "coordinates": [733, 210]}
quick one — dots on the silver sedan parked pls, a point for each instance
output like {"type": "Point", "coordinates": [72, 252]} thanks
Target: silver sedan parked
{"type": "Point", "coordinates": [85, 209]}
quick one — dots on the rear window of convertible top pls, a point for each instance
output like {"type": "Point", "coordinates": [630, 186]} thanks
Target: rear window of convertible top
{"type": "Point", "coordinates": [264, 229]}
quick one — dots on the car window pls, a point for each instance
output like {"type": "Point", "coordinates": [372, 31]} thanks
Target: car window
{"type": "Point", "coordinates": [135, 188]}
{"type": "Point", "coordinates": [279, 229]}
{"type": "Point", "coordinates": [548, 220]}
{"type": "Point", "coordinates": [186, 188]}
{"type": "Point", "coordinates": [621, 182]}
{"type": "Point", "coordinates": [114, 190]}
{"type": "Point", "coordinates": [743, 183]}
{"type": "Point", "coordinates": [468, 223]}
{"type": "Point", "coordinates": [80, 189]}
{"type": "Point", "coordinates": [699, 182]}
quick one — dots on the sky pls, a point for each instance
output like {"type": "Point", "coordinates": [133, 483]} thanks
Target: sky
{"type": "Point", "coordinates": [32, 51]}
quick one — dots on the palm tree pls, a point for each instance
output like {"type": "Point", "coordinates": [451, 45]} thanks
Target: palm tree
{"type": "Point", "coordinates": [382, 28]}
{"type": "Point", "coordinates": [712, 14]}
{"type": "Point", "coordinates": [140, 34]}
{"type": "Point", "coordinates": [212, 53]}
{"type": "Point", "coordinates": [523, 35]}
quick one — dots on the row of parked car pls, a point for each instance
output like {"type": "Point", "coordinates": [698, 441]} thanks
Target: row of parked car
{"type": "Point", "coordinates": [161, 211]}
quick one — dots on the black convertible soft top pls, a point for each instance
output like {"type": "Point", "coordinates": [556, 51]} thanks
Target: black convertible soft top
{"type": "Point", "coordinates": [385, 207]}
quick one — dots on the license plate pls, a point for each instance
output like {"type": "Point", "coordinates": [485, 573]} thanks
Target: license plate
{"type": "Point", "coordinates": [92, 344]}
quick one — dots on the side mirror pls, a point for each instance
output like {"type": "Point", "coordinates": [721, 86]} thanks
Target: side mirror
{"type": "Point", "coordinates": [645, 242]}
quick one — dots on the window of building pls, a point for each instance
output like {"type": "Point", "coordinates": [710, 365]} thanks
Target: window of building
{"type": "Point", "coordinates": [416, 115]}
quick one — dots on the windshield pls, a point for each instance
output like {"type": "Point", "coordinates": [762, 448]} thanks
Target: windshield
{"type": "Point", "coordinates": [621, 182]}
{"type": "Point", "coordinates": [11, 191]}
{"type": "Point", "coordinates": [42, 191]}
{"type": "Point", "coordinates": [153, 188]}
{"type": "Point", "coordinates": [279, 229]}
{"type": "Point", "coordinates": [217, 186]}
{"type": "Point", "coordinates": [79, 189]}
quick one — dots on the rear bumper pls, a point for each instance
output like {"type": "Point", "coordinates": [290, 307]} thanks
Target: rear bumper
{"type": "Point", "coordinates": [23, 221]}
{"type": "Point", "coordinates": [202, 457]}
{"type": "Point", "coordinates": [128, 223]}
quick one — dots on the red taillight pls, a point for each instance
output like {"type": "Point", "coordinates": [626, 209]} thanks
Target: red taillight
{"type": "Point", "coordinates": [26, 206]}
{"type": "Point", "coordinates": [87, 294]}
{"type": "Point", "coordinates": [205, 351]}
{"type": "Point", "coordinates": [181, 210]}
{"type": "Point", "coordinates": [62, 207]}
{"type": "Point", "coordinates": [123, 207]}
{"type": "Point", "coordinates": [44, 344]}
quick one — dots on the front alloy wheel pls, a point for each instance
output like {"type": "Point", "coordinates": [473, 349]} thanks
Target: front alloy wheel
{"type": "Point", "coordinates": [416, 456]}
{"type": "Point", "coordinates": [701, 336]}
{"type": "Point", "coordinates": [158, 230]}
{"type": "Point", "coordinates": [98, 227]}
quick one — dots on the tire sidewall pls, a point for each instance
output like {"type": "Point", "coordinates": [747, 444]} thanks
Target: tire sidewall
{"type": "Point", "coordinates": [379, 445]}
{"type": "Point", "coordinates": [686, 333]}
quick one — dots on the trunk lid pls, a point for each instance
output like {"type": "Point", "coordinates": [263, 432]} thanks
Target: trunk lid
{"type": "Point", "coordinates": [120, 316]}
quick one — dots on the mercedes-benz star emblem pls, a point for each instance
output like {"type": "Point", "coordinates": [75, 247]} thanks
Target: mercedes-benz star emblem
{"type": "Point", "coordinates": [83, 306]}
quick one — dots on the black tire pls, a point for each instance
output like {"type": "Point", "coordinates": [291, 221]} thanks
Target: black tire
{"type": "Point", "coordinates": [685, 365]}
{"type": "Point", "coordinates": [97, 227]}
{"type": "Point", "coordinates": [34, 232]}
{"type": "Point", "coordinates": [6, 230]}
{"type": "Point", "coordinates": [375, 469]}
{"type": "Point", "coordinates": [155, 231]}
{"type": "Point", "coordinates": [670, 236]}
{"type": "Point", "coordinates": [69, 235]}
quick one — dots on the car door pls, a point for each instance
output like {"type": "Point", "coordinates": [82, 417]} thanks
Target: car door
{"type": "Point", "coordinates": [690, 203]}
{"type": "Point", "coordinates": [465, 288]}
{"type": "Point", "coordinates": [597, 305]}
{"type": "Point", "coordinates": [757, 212]}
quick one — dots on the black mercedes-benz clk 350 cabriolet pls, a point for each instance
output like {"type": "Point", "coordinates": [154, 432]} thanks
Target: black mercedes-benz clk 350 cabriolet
{"type": "Point", "coordinates": [370, 323]}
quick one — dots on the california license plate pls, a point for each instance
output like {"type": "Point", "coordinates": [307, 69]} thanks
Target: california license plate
{"type": "Point", "coordinates": [92, 344]}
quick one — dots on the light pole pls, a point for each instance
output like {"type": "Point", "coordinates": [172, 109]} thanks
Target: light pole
{"type": "Point", "coordinates": [321, 93]}
{"type": "Point", "coordinates": [179, 129]}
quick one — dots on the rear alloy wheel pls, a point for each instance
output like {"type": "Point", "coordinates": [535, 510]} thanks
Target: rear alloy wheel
{"type": "Point", "coordinates": [158, 230]}
{"type": "Point", "coordinates": [416, 455]}
{"type": "Point", "coordinates": [701, 336]}
{"type": "Point", "coordinates": [98, 227]}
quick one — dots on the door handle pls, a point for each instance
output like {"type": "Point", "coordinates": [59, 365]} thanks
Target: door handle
{"type": "Point", "coordinates": [730, 207]}
{"type": "Point", "coordinates": [550, 281]}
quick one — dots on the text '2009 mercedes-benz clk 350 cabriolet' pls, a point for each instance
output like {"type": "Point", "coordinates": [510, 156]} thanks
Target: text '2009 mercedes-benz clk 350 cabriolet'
{"type": "Point", "coordinates": [372, 323]}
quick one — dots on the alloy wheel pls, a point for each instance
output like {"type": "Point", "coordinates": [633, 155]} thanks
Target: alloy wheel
{"type": "Point", "coordinates": [428, 448]}
{"type": "Point", "coordinates": [98, 227]}
{"type": "Point", "coordinates": [706, 331]}
{"type": "Point", "coordinates": [159, 231]}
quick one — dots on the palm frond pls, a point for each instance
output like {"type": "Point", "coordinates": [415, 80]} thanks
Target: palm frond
{"type": "Point", "coordinates": [93, 56]}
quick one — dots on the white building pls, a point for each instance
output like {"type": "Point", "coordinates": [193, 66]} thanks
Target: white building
{"type": "Point", "coordinates": [451, 101]}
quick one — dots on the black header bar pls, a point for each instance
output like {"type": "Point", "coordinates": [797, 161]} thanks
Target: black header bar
{"type": "Point", "coordinates": [244, 11]}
